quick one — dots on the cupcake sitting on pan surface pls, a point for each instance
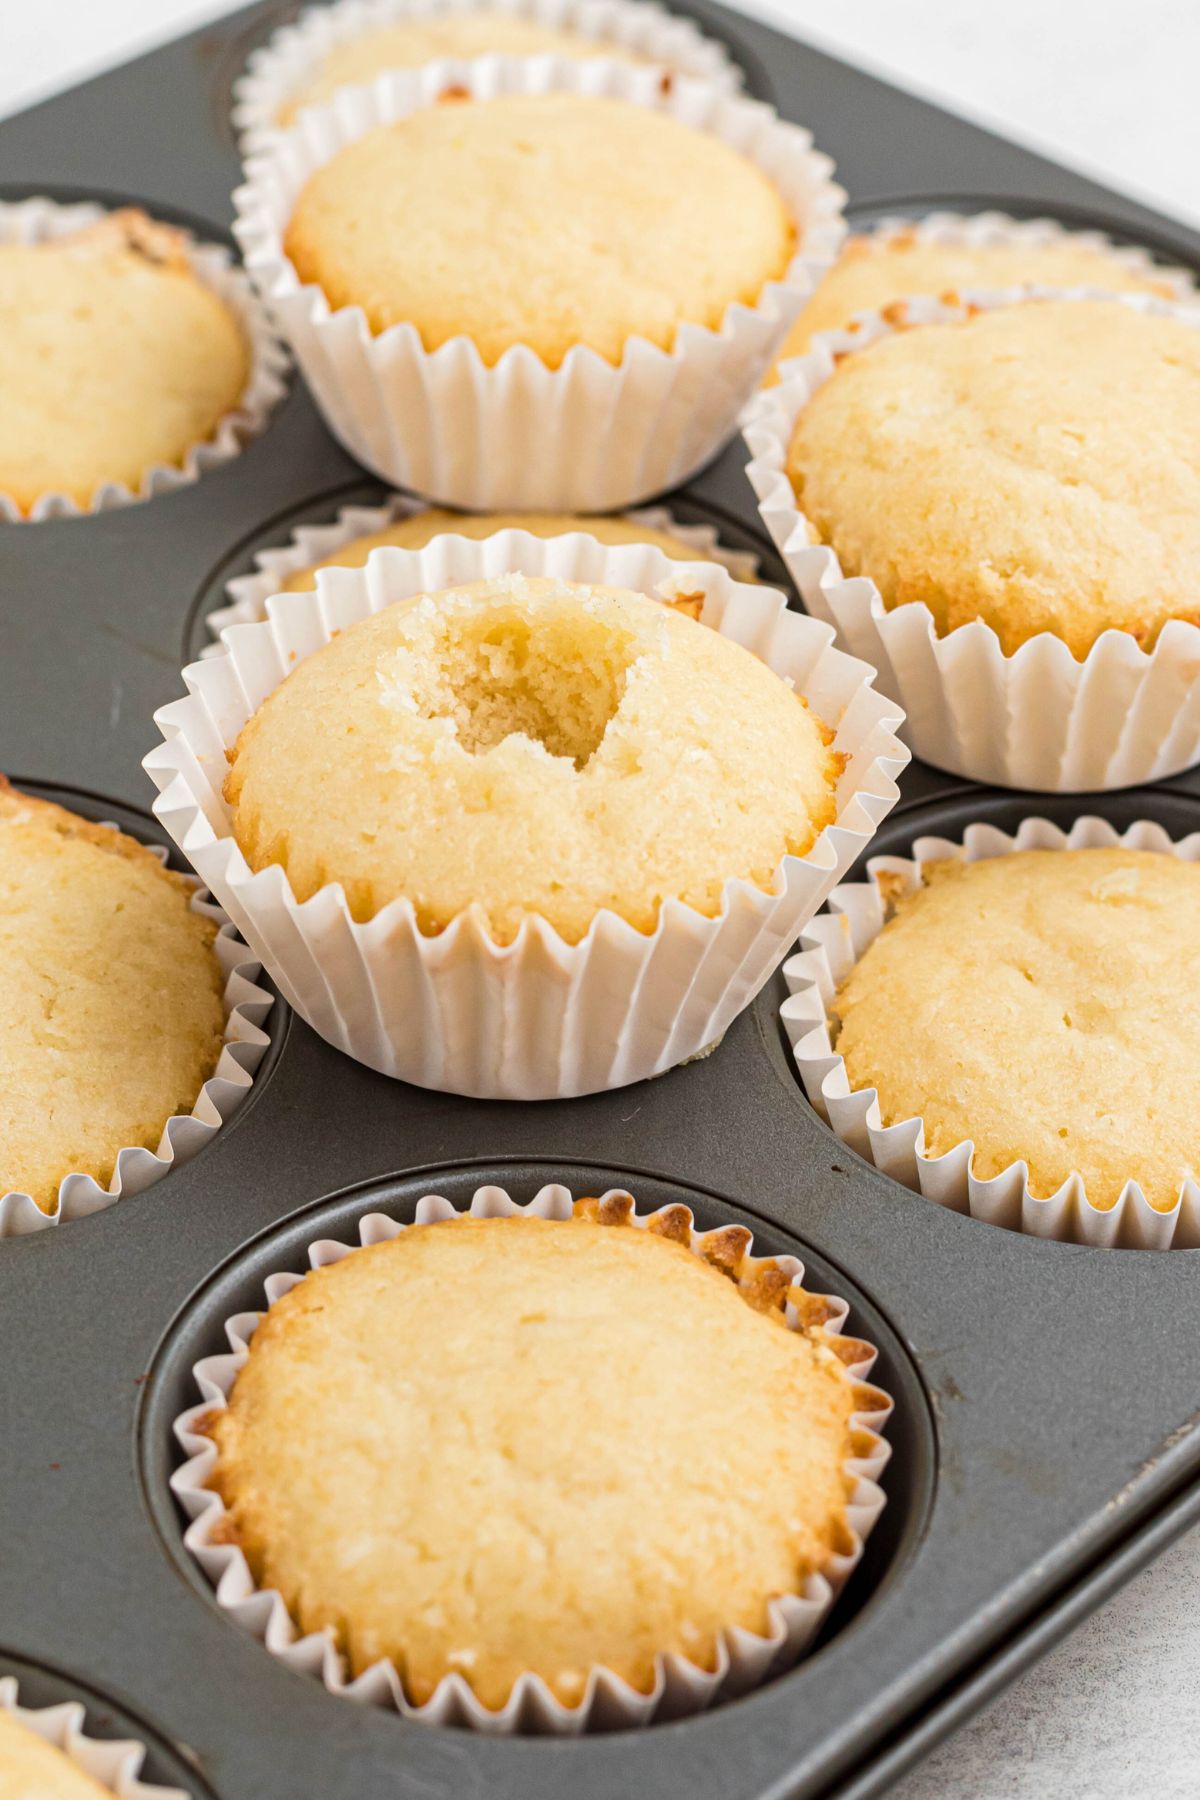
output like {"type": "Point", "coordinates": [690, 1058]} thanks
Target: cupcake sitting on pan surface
{"type": "Point", "coordinates": [115, 358]}
{"type": "Point", "coordinates": [874, 270]}
{"type": "Point", "coordinates": [414, 532]}
{"type": "Point", "coordinates": [553, 1408]}
{"type": "Point", "coordinates": [1034, 466]}
{"type": "Point", "coordinates": [549, 220]}
{"type": "Point", "coordinates": [1042, 1005]}
{"type": "Point", "coordinates": [530, 746]}
{"type": "Point", "coordinates": [408, 43]}
{"type": "Point", "coordinates": [111, 1014]}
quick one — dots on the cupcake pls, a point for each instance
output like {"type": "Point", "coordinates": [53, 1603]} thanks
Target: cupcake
{"type": "Point", "coordinates": [966, 1037]}
{"type": "Point", "coordinates": [46, 1754]}
{"type": "Point", "coordinates": [128, 360]}
{"type": "Point", "coordinates": [947, 253]}
{"type": "Point", "coordinates": [503, 748]}
{"type": "Point", "coordinates": [471, 279]}
{"type": "Point", "coordinates": [404, 524]}
{"type": "Point", "coordinates": [1000, 507]}
{"type": "Point", "coordinates": [306, 63]}
{"type": "Point", "coordinates": [451, 812]}
{"type": "Point", "coordinates": [115, 1015]}
{"type": "Point", "coordinates": [419, 529]}
{"type": "Point", "coordinates": [513, 1448]}
{"type": "Point", "coordinates": [32, 1768]}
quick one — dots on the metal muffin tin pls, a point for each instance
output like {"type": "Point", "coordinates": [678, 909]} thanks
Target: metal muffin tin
{"type": "Point", "coordinates": [1045, 1428]}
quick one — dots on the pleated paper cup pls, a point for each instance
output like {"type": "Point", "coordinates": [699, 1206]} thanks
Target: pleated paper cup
{"type": "Point", "coordinates": [309, 544]}
{"type": "Point", "coordinates": [744, 1658]}
{"type": "Point", "coordinates": [834, 942]}
{"type": "Point", "coordinates": [635, 28]}
{"type": "Point", "coordinates": [591, 435]}
{"type": "Point", "coordinates": [537, 1018]}
{"type": "Point", "coordinates": [41, 220]}
{"type": "Point", "coordinates": [1039, 719]}
{"type": "Point", "coordinates": [114, 1763]}
{"type": "Point", "coordinates": [246, 1006]}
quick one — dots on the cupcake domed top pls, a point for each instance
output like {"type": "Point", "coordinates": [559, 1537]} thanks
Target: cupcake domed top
{"type": "Point", "coordinates": [115, 357]}
{"type": "Point", "coordinates": [111, 1015]}
{"type": "Point", "coordinates": [549, 220]}
{"type": "Point", "coordinates": [492, 1446]}
{"type": "Point", "coordinates": [527, 745]}
{"type": "Point", "coordinates": [1036, 466]}
{"type": "Point", "coordinates": [1044, 1006]}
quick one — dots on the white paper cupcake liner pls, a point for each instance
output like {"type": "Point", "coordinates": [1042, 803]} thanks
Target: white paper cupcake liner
{"type": "Point", "coordinates": [589, 436]}
{"type": "Point", "coordinates": [36, 221]}
{"type": "Point", "coordinates": [834, 942]}
{"type": "Point", "coordinates": [744, 1657]}
{"type": "Point", "coordinates": [114, 1763]}
{"type": "Point", "coordinates": [538, 1018]}
{"type": "Point", "coordinates": [246, 1008]}
{"type": "Point", "coordinates": [976, 230]}
{"type": "Point", "coordinates": [309, 544]}
{"type": "Point", "coordinates": [1038, 719]}
{"type": "Point", "coordinates": [295, 53]}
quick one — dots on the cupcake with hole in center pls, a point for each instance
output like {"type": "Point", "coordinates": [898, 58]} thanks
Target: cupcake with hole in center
{"type": "Point", "coordinates": [534, 833]}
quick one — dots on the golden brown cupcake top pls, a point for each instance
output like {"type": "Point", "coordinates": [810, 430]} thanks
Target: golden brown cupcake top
{"type": "Point", "coordinates": [114, 358]}
{"type": "Point", "coordinates": [1042, 1005]}
{"type": "Point", "coordinates": [498, 1445]}
{"type": "Point", "coordinates": [111, 1016]}
{"type": "Point", "coordinates": [515, 221]}
{"type": "Point", "coordinates": [530, 746]}
{"type": "Point", "coordinates": [1036, 466]}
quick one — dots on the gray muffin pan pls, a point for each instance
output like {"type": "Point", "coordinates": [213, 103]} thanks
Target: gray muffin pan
{"type": "Point", "coordinates": [1044, 1437]}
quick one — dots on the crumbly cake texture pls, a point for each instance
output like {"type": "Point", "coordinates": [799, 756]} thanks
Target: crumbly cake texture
{"type": "Point", "coordinates": [549, 220]}
{"type": "Point", "coordinates": [872, 272]}
{"type": "Point", "coordinates": [114, 358]}
{"type": "Point", "coordinates": [412, 42]}
{"type": "Point", "coordinates": [525, 746]}
{"type": "Point", "coordinates": [1042, 1005]}
{"type": "Point", "coordinates": [1035, 466]}
{"type": "Point", "coordinates": [415, 532]}
{"type": "Point", "coordinates": [33, 1769]}
{"type": "Point", "coordinates": [498, 1445]}
{"type": "Point", "coordinates": [111, 1016]}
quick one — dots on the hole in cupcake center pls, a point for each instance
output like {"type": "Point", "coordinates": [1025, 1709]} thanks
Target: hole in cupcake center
{"type": "Point", "coordinates": [557, 680]}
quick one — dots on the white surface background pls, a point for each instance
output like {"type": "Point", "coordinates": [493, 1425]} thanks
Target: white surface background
{"type": "Point", "coordinates": [1111, 89]}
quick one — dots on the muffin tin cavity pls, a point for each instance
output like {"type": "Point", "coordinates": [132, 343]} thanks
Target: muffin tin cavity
{"type": "Point", "coordinates": [197, 1332]}
{"type": "Point", "coordinates": [165, 1766]}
